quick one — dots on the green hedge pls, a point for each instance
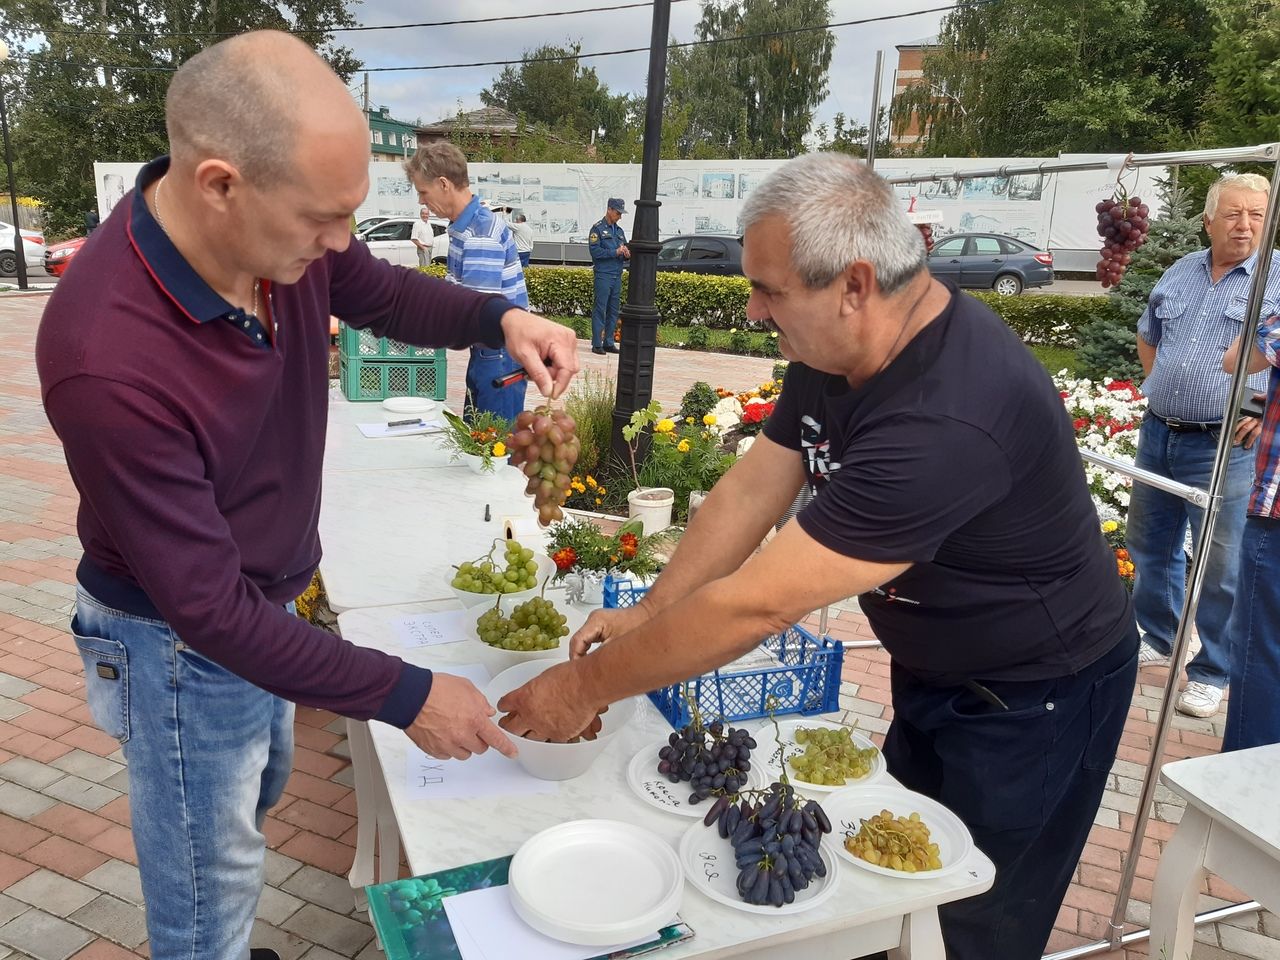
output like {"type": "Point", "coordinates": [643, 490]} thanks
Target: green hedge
{"type": "Point", "coordinates": [692, 300]}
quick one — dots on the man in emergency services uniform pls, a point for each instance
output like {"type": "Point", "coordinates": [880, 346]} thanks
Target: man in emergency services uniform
{"type": "Point", "coordinates": [608, 254]}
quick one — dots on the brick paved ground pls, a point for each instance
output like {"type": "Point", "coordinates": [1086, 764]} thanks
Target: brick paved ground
{"type": "Point", "coordinates": [68, 882]}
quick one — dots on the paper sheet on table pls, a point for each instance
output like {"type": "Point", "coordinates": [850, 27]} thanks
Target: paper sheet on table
{"type": "Point", "coordinates": [486, 927]}
{"type": "Point", "coordinates": [429, 629]}
{"type": "Point", "coordinates": [488, 775]}
{"type": "Point", "coordinates": [376, 430]}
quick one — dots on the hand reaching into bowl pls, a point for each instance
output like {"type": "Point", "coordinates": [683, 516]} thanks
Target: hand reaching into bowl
{"type": "Point", "coordinates": [550, 708]}
{"type": "Point", "coordinates": [455, 723]}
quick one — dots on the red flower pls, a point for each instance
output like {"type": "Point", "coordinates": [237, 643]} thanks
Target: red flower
{"type": "Point", "coordinates": [565, 559]}
{"type": "Point", "coordinates": [1063, 394]}
{"type": "Point", "coordinates": [629, 543]}
{"type": "Point", "coordinates": [756, 412]}
{"type": "Point", "coordinates": [1080, 423]}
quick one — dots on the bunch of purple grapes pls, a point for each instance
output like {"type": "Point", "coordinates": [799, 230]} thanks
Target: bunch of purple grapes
{"type": "Point", "coordinates": [775, 843]}
{"type": "Point", "coordinates": [1123, 226]}
{"type": "Point", "coordinates": [709, 759]}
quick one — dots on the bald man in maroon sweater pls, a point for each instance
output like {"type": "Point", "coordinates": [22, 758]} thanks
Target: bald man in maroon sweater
{"type": "Point", "coordinates": [184, 366]}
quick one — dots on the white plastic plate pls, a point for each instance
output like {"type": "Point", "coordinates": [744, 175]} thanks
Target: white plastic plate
{"type": "Point", "coordinates": [847, 809]}
{"type": "Point", "coordinates": [656, 790]}
{"type": "Point", "coordinates": [408, 404]}
{"type": "Point", "coordinates": [774, 752]}
{"type": "Point", "coordinates": [708, 864]}
{"type": "Point", "coordinates": [596, 882]}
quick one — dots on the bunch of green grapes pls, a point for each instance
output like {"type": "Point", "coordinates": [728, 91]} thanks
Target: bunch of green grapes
{"type": "Point", "coordinates": [483, 575]}
{"type": "Point", "coordinates": [899, 843]}
{"type": "Point", "coordinates": [830, 756]}
{"type": "Point", "coordinates": [534, 625]}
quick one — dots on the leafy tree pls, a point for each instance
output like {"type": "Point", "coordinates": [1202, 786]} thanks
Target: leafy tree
{"type": "Point", "coordinates": [552, 90]}
{"type": "Point", "coordinates": [1023, 77]}
{"type": "Point", "coordinates": [1108, 345]}
{"type": "Point", "coordinates": [67, 111]}
{"type": "Point", "coordinates": [1244, 101]}
{"type": "Point", "coordinates": [751, 97]}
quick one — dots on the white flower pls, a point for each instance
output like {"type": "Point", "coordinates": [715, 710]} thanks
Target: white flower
{"type": "Point", "coordinates": [744, 445]}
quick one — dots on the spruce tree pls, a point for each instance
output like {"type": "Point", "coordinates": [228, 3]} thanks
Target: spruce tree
{"type": "Point", "coordinates": [1108, 345]}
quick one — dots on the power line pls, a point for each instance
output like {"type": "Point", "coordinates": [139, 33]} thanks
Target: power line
{"type": "Point", "coordinates": [362, 29]}
{"type": "Point", "coordinates": [584, 56]}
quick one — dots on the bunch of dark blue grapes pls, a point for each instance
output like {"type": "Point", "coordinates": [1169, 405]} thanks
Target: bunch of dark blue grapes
{"type": "Point", "coordinates": [775, 843]}
{"type": "Point", "coordinates": [710, 759]}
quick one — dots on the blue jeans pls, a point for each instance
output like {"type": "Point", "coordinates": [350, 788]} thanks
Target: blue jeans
{"type": "Point", "coordinates": [486, 364]}
{"type": "Point", "coordinates": [524, 260]}
{"type": "Point", "coordinates": [1156, 534]}
{"type": "Point", "coordinates": [1026, 781]}
{"type": "Point", "coordinates": [208, 755]}
{"type": "Point", "coordinates": [1253, 711]}
{"type": "Point", "coordinates": [604, 312]}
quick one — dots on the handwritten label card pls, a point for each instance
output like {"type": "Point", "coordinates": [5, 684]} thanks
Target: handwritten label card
{"type": "Point", "coordinates": [429, 629]}
{"type": "Point", "coordinates": [488, 775]}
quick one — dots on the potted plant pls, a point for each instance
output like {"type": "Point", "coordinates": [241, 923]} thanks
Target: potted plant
{"type": "Point", "coordinates": [480, 444]}
{"type": "Point", "coordinates": [584, 554]}
{"type": "Point", "coordinates": [650, 505]}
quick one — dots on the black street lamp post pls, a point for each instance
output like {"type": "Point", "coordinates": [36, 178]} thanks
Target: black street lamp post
{"type": "Point", "coordinates": [638, 315]}
{"type": "Point", "coordinates": [18, 253]}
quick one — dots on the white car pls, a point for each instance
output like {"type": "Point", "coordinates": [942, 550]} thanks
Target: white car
{"type": "Point", "coordinates": [32, 249]}
{"type": "Point", "coordinates": [390, 240]}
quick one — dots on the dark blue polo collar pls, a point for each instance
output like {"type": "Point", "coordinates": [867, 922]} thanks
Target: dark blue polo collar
{"type": "Point", "coordinates": [173, 274]}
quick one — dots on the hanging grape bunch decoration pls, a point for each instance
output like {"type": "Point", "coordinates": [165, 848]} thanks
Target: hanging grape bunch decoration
{"type": "Point", "coordinates": [1123, 226]}
{"type": "Point", "coordinates": [545, 446]}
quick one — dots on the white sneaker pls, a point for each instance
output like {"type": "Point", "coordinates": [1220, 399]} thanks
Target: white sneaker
{"type": "Point", "coordinates": [1149, 656]}
{"type": "Point", "coordinates": [1199, 699]}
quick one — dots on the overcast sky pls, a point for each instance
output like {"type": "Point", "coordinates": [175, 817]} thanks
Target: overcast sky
{"type": "Point", "coordinates": [435, 94]}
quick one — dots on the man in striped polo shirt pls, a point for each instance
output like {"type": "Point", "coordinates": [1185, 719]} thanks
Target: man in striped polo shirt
{"type": "Point", "coordinates": [482, 256]}
{"type": "Point", "coordinates": [1195, 311]}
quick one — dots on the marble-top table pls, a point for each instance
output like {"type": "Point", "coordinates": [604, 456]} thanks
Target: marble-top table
{"type": "Point", "coordinates": [867, 913]}
{"type": "Point", "coordinates": [396, 515]}
{"type": "Point", "coordinates": [1230, 828]}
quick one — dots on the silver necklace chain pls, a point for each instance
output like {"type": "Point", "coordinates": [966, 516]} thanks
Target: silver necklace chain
{"type": "Point", "coordinates": [155, 201]}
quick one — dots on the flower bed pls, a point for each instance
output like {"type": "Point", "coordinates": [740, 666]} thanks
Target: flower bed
{"type": "Point", "coordinates": [1106, 416]}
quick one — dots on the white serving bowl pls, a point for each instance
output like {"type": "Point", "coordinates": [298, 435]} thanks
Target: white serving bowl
{"type": "Point", "coordinates": [557, 761]}
{"type": "Point", "coordinates": [496, 660]}
{"type": "Point", "coordinates": [475, 463]}
{"type": "Point", "coordinates": [546, 567]}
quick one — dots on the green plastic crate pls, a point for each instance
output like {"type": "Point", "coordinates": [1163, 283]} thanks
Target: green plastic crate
{"type": "Point", "coordinates": [365, 345]}
{"type": "Point", "coordinates": [379, 379]}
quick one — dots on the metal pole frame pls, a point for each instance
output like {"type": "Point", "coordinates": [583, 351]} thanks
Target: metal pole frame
{"type": "Point", "coordinates": [1210, 500]}
{"type": "Point", "coordinates": [19, 254]}
{"type": "Point", "coordinates": [873, 128]}
{"type": "Point", "coordinates": [638, 315]}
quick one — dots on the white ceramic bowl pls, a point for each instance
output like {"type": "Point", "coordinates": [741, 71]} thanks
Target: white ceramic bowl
{"type": "Point", "coordinates": [557, 761]}
{"type": "Point", "coordinates": [546, 567]}
{"type": "Point", "coordinates": [496, 660]}
{"type": "Point", "coordinates": [475, 463]}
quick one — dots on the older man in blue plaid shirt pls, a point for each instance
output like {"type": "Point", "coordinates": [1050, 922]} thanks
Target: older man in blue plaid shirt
{"type": "Point", "coordinates": [1195, 312]}
{"type": "Point", "coordinates": [482, 256]}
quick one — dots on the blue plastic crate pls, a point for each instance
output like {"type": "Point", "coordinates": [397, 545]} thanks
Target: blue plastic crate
{"type": "Point", "coordinates": [806, 679]}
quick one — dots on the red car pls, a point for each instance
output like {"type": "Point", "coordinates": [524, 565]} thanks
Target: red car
{"type": "Point", "coordinates": [59, 255]}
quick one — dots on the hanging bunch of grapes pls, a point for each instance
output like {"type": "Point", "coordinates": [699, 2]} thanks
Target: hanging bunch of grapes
{"type": "Point", "coordinates": [1123, 226]}
{"type": "Point", "coordinates": [545, 446]}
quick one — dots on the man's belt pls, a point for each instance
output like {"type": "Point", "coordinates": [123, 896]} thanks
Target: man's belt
{"type": "Point", "coordinates": [1187, 426]}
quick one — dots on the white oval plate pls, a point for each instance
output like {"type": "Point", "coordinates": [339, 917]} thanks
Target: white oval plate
{"type": "Point", "coordinates": [847, 809]}
{"type": "Point", "coordinates": [408, 404]}
{"type": "Point", "coordinates": [657, 791]}
{"type": "Point", "coordinates": [596, 882]}
{"type": "Point", "coordinates": [708, 862]}
{"type": "Point", "coordinates": [772, 752]}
